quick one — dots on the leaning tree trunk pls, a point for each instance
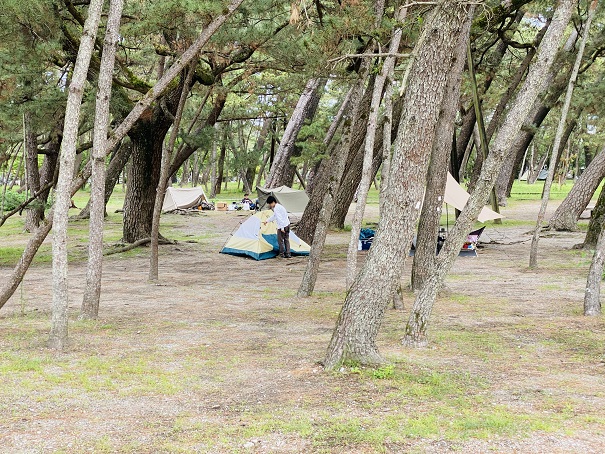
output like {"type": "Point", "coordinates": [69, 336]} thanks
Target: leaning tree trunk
{"type": "Point", "coordinates": [305, 109]}
{"type": "Point", "coordinates": [415, 331]}
{"type": "Point", "coordinates": [60, 304]}
{"type": "Point", "coordinates": [367, 175]}
{"type": "Point", "coordinates": [35, 212]}
{"type": "Point", "coordinates": [533, 253]}
{"type": "Point", "coordinates": [354, 337]}
{"type": "Point", "coordinates": [597, 221]}
{"type": "Point", "coordinates": [116, 137]}
{"type": "Point", "coordinates": [350, 181]}
{"type": "Point", "coordinates": [92, 292]}
{"type": "Point", "coordinates": [567, 214]}
{"type": "Point", "coordinates": [306, 227]}
{"type": "Point", "coordinates": [164, 176]}
{"type": "Point", "coordinates": [336, 165]}
{"type": "Point", "coordinates": [592, 295]}
{"type": "Point", "coordinates": [430, 216]}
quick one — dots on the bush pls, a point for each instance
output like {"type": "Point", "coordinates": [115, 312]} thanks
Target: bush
{"type": "Point", "coordinates": [12, 199]}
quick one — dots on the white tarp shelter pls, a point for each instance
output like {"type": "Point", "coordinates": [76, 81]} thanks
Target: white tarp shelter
{"type": "Point", "coordinates": [183, 198]}
{"type": "Point", "coordinates": [456, 196]}
{"type": "Point", "coordinates": [293, 200]}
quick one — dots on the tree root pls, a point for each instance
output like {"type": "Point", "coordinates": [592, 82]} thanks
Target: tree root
{"type": "Point", "coordinates": [136, 244]}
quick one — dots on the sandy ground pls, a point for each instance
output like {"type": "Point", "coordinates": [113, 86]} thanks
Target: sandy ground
{"type": "Point", "coordinates": [236, 346]}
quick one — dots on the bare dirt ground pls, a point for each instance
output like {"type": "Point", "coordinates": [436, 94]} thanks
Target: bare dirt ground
{"type": "Point", "coordinates": [222, 357]}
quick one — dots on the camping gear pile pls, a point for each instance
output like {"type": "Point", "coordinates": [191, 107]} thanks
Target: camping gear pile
{"type": "Point", "coordinates": [469, 248]}
{"type": "Point", "coordinates": [259, 241]}
{"type": "Point", "coordinates": [366, 236]}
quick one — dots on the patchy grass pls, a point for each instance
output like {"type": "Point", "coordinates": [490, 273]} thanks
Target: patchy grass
{"type": "Point", "coordinates": [221, 356]}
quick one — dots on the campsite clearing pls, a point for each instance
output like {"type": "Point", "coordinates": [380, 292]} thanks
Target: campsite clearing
{"type": "Point", "coordinates": [222, 357]}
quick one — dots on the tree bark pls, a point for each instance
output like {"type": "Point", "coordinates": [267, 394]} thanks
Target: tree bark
{"type": "Point", "coordinates": [354, 337]}
{"type": "Point", "coordinates": [336, 164]}
{"type": "Point", "coordinates": [147, 138]}
{"type": "Point", "coordinates": [533, 253]}
{"type": "Point", "coordinates": [163, 179]}
{"type": "Point", "coordinates": [34, 212]}
{"type": "Point", "coordinates": [92, 292]}
{"type": "Point", "coordinates": [221, 162]}
{"type": "Point", "coordinates": [308, 223]}
{"type": "Point", "coordinates": [592, 295]}
{"type": "Point", "coordinates": [213, 163]}
{"type": "Point", "coordinates": [415, 331]}
{"type": "Point", "coordinates": [430, 216]}
{"type": "Point", "coordinates": [367, 176]}
{"type": "Point", "coordinates": [597, 221]}
{"type": "Point", "coordinates": [567, 214]}
{"type": "Point", "coordinates": [58, 331]}
{"type": "Point", "coordinates": [281, 172]}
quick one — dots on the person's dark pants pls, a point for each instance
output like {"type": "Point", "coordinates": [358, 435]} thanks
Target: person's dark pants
{"type": "Point", "coordinates": [283, 240]}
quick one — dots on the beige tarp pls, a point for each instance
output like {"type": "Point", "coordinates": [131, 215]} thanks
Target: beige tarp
{"type": "Point", "coordinates": [456, 196]}
{"type": "Point", "coordinates": [293, 200]}
{"type": "Point", "coordinates": [183, 198]}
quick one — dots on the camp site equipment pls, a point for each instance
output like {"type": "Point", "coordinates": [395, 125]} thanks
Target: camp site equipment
{"type": "Point", "coordinates": [469, 248]}
{"type": "Point", "coordinates": [456, 196]}
{"type": "Point", "coordinates": [183, 198]}
{"type": "Point", "coordinates": [293, 200]}
{"type": "Point", "coordinates": [259, 241]}
{"type": "Point", "coordinates": [366, 237]}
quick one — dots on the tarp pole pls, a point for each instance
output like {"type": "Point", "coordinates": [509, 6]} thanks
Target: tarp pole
{"type": "Point", "coordinates": [481, 124]}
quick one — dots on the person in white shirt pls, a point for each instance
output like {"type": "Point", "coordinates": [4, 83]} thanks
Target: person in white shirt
{"type": "Point", "coordinates": [280, 216]}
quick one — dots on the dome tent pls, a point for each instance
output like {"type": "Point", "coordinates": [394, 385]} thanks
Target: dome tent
{"type": "Point", "coordinates": [253, 239]}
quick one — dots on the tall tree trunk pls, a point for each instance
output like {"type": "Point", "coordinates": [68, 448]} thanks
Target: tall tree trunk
{"type": "Point", "coordinates": [430, 216]}
{"type": "Point", "coordinates": [35, 212]}
{"type": "Point", "coordinates": [567, 214]}
{"type": "Point", "coordinates": [415, 331]}
{"type": "Point", "coordinates": [597, 221]}
{"type": "Point", "coordinates": [592, 295]}
{"type": "Point", "coordinates": [334, 168]}
{"type": "Point", "coordinates": [195, 169]}
{"type": "Point", "coordinates": [306, 227]}
{"type": "Point", "coordinates": [355, 334]}
{"type": "Point", "coordinates": [164, 176]}
{"type": "Point", "coordinates": [213, 163]}
{"type": "Point", "coordinates": [557, 83]}
{"type": "Point", "coordinates": [147, 138]}
{"type": "Point", "coordinates": [533, 254]}
{"type": "Point", "coordinates": [221, 162]}
{"type": "Point", "coordinates": [116, 137]}
{"type": "Point", "coordinates": [58, 331]}
{"type": "Point", "coordinates": [185, 174]}
{"type": "Point", "coordinates": [92, 292]}
{"type": "Point", "coordinates": [281, 172]}
{"type": "Point", "coordinates": [387, 71]}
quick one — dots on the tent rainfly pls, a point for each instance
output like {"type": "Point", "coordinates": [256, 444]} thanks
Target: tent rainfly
{"type": "Point", "coordinates": [183, 198]}
{"type": "Point", "coordinates": [456, 196]}
{"type": "Point", "coordinates": [293, 200]}
{"type": "Point", "coordinates": [253, 239]}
